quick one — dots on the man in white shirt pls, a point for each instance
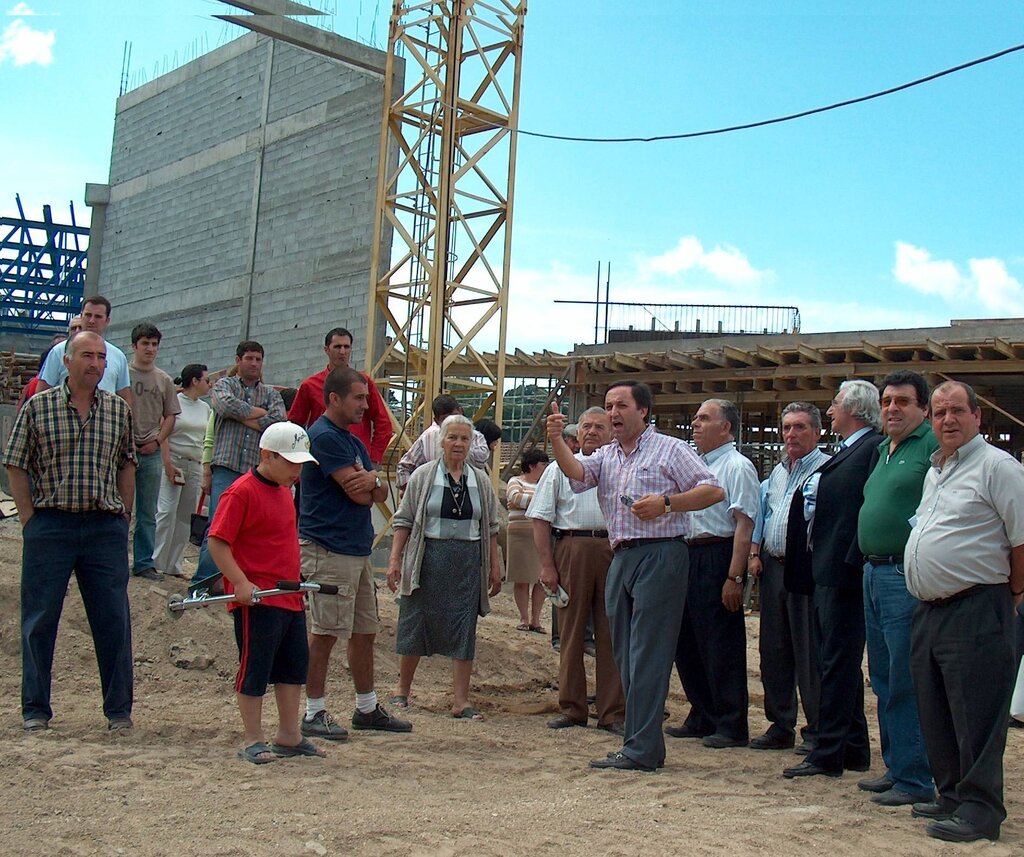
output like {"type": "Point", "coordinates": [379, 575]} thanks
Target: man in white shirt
{"type": "Point", "coordinates": [965, 563]}
{"type": "Point", "coordinates": [579, 563]}
{"type": "Point", "coordinates": [426, 447]}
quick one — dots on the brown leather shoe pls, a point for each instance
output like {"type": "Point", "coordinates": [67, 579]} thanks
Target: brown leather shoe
{"type": "Point", "coordinates": [564, 721]}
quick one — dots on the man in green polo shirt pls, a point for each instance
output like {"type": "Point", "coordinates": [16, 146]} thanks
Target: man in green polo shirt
{"type": "Point", "coordinates": [891, 496]}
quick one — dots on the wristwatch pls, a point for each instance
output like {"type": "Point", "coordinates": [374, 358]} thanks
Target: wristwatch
{"type": "Point", "coordinates": [379, 483]}
{"type": "Point", "coordinates": [737, 579]}
{"type": "Point", "coordinates": [668, 503]}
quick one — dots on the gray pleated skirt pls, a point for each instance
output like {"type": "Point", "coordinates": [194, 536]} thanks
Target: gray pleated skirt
{"type": "Point", "coordinates": [440, 617]}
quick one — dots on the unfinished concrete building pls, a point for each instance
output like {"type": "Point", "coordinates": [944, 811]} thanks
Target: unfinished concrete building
{"type": "Point", "coordinates": [240, 204]}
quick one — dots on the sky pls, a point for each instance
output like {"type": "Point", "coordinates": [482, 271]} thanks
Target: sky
{"type": "Point", "coordinates": [905, 211]}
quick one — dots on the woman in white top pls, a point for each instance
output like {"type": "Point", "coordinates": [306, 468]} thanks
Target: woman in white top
{"type": "Point", "coordinates": [183, 471]}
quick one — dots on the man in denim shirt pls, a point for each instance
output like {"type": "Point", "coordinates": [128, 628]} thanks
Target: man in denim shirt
{"type": "Point", "coordinates": [244, 407]}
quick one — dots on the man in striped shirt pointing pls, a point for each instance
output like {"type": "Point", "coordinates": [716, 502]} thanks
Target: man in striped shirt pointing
{"type": "Point", "coordinates": [646, 482]}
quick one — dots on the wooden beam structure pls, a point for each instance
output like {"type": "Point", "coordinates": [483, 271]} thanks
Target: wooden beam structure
{"type": "Point", "coordinates": [763, 373]}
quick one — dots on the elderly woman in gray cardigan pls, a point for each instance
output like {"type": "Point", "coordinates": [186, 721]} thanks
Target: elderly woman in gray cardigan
{"type": "Point", "coordinates": [444, 562]}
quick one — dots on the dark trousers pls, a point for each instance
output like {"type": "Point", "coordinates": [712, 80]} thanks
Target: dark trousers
{"type": "Point", "coordinates": [645, 596]}
{"type": "Point", "coordinates": [583, 572]}
{"type": "Point", "coordinates": [961, 658]}
{"type": "Point", "coordinates": [841, 739]}
{"type": "Point", "coordinates": [711, 655]}
{"type": "Point", "coordinates": [94, 546]}
{"type": "Point", "coordinates": [789, 653]}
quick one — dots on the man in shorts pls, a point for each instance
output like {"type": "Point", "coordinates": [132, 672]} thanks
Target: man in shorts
{"type": "Point", "coordinates": [252, 541]}
{"type": "Point", "coordinates": [336, 537]}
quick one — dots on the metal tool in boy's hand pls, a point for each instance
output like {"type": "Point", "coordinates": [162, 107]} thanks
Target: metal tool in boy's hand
{"type": "Point", "coordinates": [178, 603]}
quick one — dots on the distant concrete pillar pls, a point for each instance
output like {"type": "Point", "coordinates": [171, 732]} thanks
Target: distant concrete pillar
{"type": "Point", "coordinates": [97, 197]}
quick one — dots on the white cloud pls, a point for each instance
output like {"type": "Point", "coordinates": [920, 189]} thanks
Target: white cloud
{"type": "Point", "coordinates": [24, 45]}
{"type": "Point", "coordinates": [915, 267]}
{"type": "Point", "coordinates": [21, 10]}
{"type": "Point", "coordinates": [724, 263]}
{"type": "Point", "coordinates": [996, 288]}
{"type": "Point", "coordinates": [686, 274]}
{"type": "Point", "coordinates": [986, 281]}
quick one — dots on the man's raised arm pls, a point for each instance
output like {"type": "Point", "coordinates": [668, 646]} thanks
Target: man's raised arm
{"type": "Point", "coordinates": [567, 462]}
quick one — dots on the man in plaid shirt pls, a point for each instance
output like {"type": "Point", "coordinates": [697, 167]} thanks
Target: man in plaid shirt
{"type": "Point", "coordinates": [71, 464]}
{"type": "Point", "coordinates": [646, 483]}
{"type": "Point", "coordinates": [244, 406]}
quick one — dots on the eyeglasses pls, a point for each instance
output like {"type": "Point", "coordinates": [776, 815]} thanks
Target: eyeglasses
{"type": "Point", "coordinates": [899, 401]}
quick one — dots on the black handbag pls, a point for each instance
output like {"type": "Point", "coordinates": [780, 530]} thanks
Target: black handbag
{"type": "Point", "coordinates": [199, 523]}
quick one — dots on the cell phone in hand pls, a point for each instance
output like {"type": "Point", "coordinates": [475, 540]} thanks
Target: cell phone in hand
{"type": "Point", "coordinates": [626, 500]}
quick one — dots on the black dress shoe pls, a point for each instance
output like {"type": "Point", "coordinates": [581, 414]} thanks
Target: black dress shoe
{"type": "Point", "coordinates": [878, 784]}
{"type": "Point", "coordinates": [809, 769]}
{"type": "Point", "coordinates": [564, 721]}
{"type": "Point", "coordinates": [720, 742]}
{"type": "Point", "coordinates": [771, 742]}
{"type": "Point", "coordinates": [896, 797]}
{"type": "Point", "coordinates": [661, 764]}
{"type": "Point", "coordinates": [936, 810]}
{"type": "Point", "coordinates": [619, 762]}
{"type": "Point", "coordinates": [685, 731]}
{"type": "Point", "coordinates": [957, 829]}
{"type": "Point", "coordinates": [615, 728]}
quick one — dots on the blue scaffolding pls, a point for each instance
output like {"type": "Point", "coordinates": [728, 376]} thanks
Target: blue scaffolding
{"type": "Point", "coordinates": [42, 272]}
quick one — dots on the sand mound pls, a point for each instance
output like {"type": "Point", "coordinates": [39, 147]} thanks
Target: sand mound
{"type": "Point", "coordinates": [505, 786]}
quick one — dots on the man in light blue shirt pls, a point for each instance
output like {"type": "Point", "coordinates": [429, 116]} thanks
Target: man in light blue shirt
{"type": "Point", "coordinates": [787, 642]}
{"type": "Point", "coordinates": [95, 318]}
{"type": "Point", "coordinates": [711, 655]}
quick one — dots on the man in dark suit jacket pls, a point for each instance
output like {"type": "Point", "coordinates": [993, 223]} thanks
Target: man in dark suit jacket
{"type": "Point", "coordinates": [822, 551]}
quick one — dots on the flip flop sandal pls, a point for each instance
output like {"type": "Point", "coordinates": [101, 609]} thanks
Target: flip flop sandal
{"type": "Point", "coordinates": [537, 629]}
{"type": "Point", "coordinates": [522, 626]}
{"type": "Point", "coordinates": [469, 713]}
{"type": "Point", "coordinates": [399, 701]}
{"type": "Point", "coordinates": [253, 752]}
{"type": "Point", "coordinates": [304, 748]}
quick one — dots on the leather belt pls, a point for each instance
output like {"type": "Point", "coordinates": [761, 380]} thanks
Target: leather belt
{"type": "Point", "coordinates": [708, 540]}
{"type": "Point", "coordinates": [892, 559]}
{"type": "Point", "coordinates": [579, 534]}
{"type": "Point", "coordinates": [626, 544]}
{"type": "Point", "coordinates": [957, 596]}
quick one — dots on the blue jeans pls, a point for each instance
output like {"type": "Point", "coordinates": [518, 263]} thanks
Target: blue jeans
{"type": "Point", "coordinates": [93, 545]}
{"type": "Point", "coordinates": [888, 610]}
{"type": "Point", "coordinates": [220, 480]}
{"type": "Point", "coordinates": [147, 489]}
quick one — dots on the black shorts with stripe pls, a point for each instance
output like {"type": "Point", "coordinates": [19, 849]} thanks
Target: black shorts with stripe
{"type": "Point", "coordinates": [272, 648]}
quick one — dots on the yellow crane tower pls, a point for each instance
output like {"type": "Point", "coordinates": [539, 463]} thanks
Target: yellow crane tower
{"type": "Point", "coordinates": [447, 176]}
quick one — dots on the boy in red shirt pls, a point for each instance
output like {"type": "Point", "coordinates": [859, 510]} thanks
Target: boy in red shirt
{"type": "Point", "coordinates": [254, 544]}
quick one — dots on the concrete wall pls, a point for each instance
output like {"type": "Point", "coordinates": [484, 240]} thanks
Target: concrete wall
{"type": "Point", "coordinates": [242, 191]}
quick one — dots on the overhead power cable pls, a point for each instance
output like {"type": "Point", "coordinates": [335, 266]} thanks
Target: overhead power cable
{"type": "Point", "coordinates": [789, 118]}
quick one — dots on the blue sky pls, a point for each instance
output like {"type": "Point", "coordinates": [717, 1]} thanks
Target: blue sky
{"type": "Point", "coordinates": [904, 211]}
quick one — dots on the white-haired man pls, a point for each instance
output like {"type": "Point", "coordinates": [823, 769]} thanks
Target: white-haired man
{"type": "Point", "coordinates": [822, 553]}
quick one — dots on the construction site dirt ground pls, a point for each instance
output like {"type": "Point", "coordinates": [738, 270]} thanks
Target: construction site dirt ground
{"type": "Point", "coordinates": [504, 786]}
